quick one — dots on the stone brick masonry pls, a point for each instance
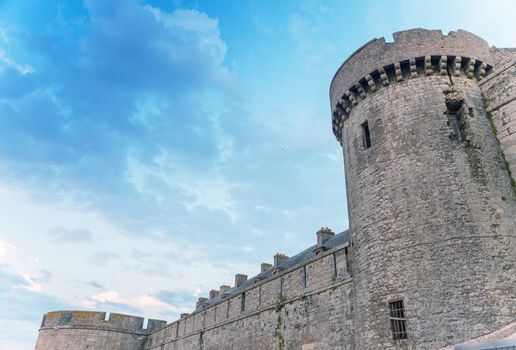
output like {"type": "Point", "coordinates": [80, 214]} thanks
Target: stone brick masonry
{"type": "Point", "coordinates": [427, 126]}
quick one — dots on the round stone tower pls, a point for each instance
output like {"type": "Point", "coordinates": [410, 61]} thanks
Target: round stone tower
{"type": "Point", "coordinates": [432, 211]}
{"type": "Point", "coordinates": [81, 330]}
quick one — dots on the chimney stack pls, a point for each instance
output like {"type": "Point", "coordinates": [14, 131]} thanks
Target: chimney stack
{"type": "Point", "coordinates": [200, 302]}
{"type": "Point", "coordinates": [279, 258]}
{"type": "Point", "coordinates": [323, 235]}
{"type": "Point", "coordinates": [213, 293]}
{"type": "Point", "coordinates": [239, 279]}
{"type": "Point", "coordinates": [223, 289]}
{"type": "Point", "coordinates": [265, 267]}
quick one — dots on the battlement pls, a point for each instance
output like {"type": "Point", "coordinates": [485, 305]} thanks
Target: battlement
{"type": "Point", "coordinates": [101, 321]}
{"type": "Point", "coordinates": [414, 53]}
{"type": "Point", "coordinates": [407, 44]}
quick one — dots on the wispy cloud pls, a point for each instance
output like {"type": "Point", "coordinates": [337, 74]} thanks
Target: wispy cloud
{"type": "Point", "coordinates": [62, 234]}
{"type": "Point", "coordinates": [95, 284]}
{"type": "Point", "coordinates": [307, 29]}
{"type": "Point", "coordinates": [6, 249]}
{"type": "Point", "coordinates": [102, 258]}
{"type": "Point", "coordinates": [152, 305]}
{"type": "Point", "coordinates": [9, 62]}
{"type": "Point", "coordinates": [30, 284]}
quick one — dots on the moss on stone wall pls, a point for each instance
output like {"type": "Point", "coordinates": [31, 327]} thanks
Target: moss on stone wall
{"type": "Point", "coordinates": [505, 164]}
{"type": "Point", "coordinates": [200, 345]}
{"type": "Point", "coordinates": [278, 332]}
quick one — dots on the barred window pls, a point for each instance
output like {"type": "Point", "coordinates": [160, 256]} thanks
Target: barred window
{"type": "Point", "coordinates": [398, 320]}
{"type": "Point", "coordinates": [348, 260]}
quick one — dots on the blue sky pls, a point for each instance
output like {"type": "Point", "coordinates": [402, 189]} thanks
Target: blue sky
{"type": "Point", "coordinates": [151, 150]}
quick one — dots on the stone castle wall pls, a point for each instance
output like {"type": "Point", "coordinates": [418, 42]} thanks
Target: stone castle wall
{"type": "Point", "coordinates": [284, 312]}
{"type": "Point", "coordinates": [432, 215]}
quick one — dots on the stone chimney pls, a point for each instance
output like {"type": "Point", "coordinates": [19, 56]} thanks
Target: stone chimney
{"type": "Point", "coordinates": [265, 267]}
{"type": "Point", "coordinates": [323, 235]}
{"type": "Point", "coordinates": [200, 302]}
{"type": "Point", "coordinates": [239, 279]}
{"type": "Point", "coordinates": [223, 289]}
{"type": "Point", "coordinates": [279, 258]}
{"type": "Point", "coordinates": [213, 293]}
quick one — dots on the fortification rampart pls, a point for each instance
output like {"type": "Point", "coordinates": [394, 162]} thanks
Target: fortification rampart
{"type": "Point", "coordinates": [289, 303]}
{"type": "Point", "coordinates": [256, 310]}
{"type": "Point", "coordinates": [77, 330]}
{"type": "Point", "coordinates": [100, 321]}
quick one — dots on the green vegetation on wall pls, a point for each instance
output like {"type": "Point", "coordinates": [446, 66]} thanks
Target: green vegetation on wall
{"type": "Point", "coordinates": [505, 164]}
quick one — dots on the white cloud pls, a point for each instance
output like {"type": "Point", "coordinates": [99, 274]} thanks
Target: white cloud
{"type": "Point", "coordinates": [4, 31]}
{"type": "Point", "coordinates": [307, 29]}
{"type": "Point", "coordinates": [211, 192]}
{"type": "Point", "coordinates": [488, 21]}
{"type": "Point", "coordinates": [6, 250]}
{"type": "Point", "coordinates": [31, 286]}
{"type": "Point", "coordinates": [196, 22]}
{"type": "Point", "coordinates": [20, 265]}
{"type": "Point", "coordinates": [9, 62]}
{"type": "Point", "coordinates": [145, 303]}
{"type": "Point", "coordinates": [62, 234]}
{"type": "Point", "coordinates": [17, 335]}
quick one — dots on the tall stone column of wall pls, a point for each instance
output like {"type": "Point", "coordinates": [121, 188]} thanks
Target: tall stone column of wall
{"type": "Point", "coordinates": [431, 213]}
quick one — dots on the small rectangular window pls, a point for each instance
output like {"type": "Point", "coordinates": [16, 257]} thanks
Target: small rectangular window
{"type": "Point", "coordinates": [348, 260]}
{"type": "Point", "coordinates": [366, 136]}
{"type": "Point", "coordinates": [242, 302]}
{"type": "Point", "coordinates": [398, 320]}
{"type": "Point", "coordinates": [334, 266]}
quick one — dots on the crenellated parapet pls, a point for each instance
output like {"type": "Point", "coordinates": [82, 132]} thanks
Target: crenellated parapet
{"type": "Point", "coordinates": [100, 321]}
{"type": "Point", "coordinates": [414, 53]}
{"type": "Point", "coordinates": [397, 72]}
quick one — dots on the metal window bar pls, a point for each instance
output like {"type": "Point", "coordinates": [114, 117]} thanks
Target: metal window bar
{"type": "Point", "coordinates": [348, 260]}
{"type": "Point", "coordinates": [398, 320]}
